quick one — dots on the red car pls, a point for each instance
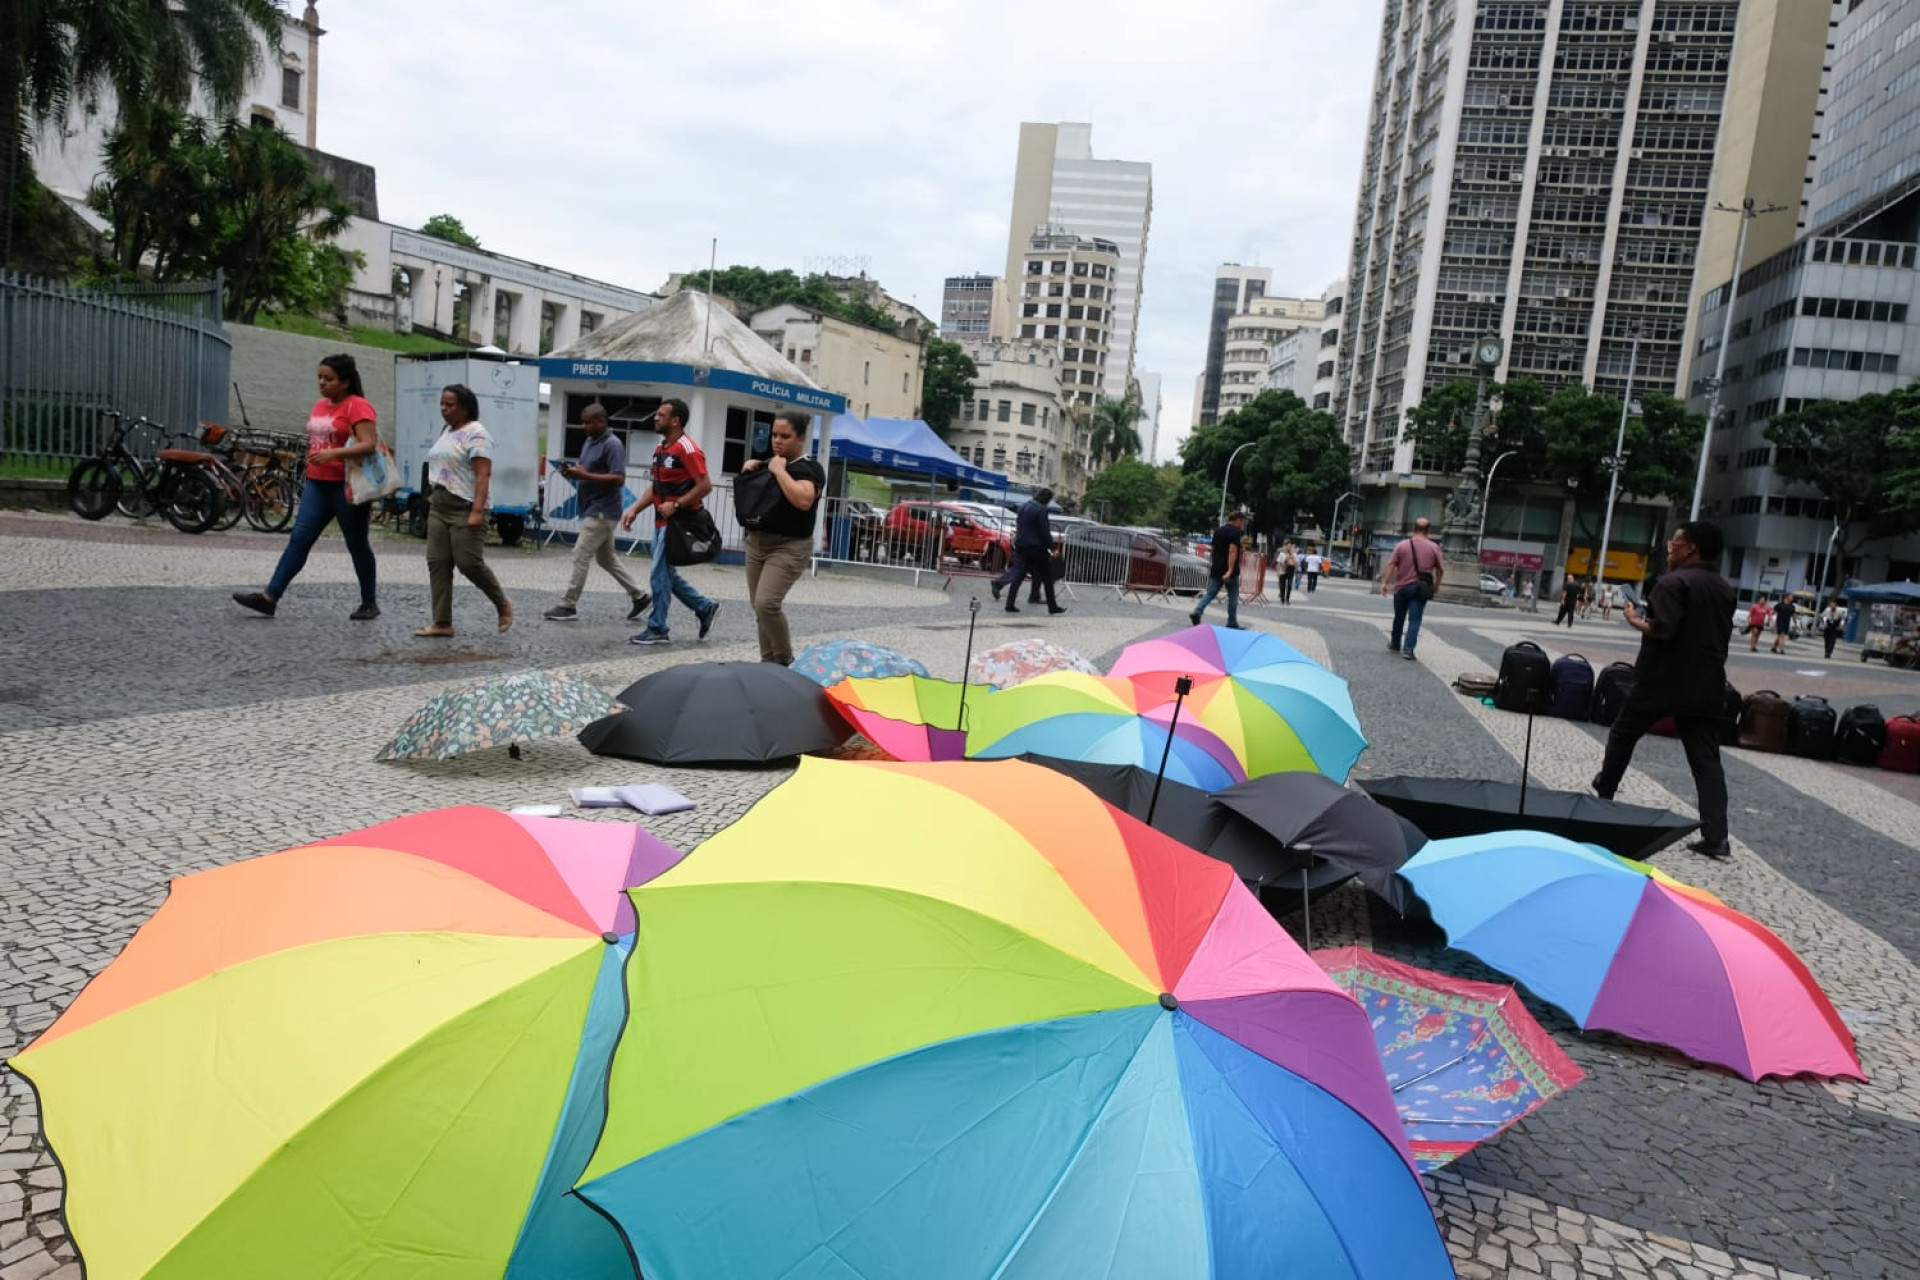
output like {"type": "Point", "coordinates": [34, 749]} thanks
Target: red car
{"type": "Point", "coordinates": [931, 532]}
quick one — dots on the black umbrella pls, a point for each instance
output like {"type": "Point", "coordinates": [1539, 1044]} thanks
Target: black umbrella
{"type": "Point", "coordinates": [1305, 811]}
{"type": "Point", "coordinates": [718, 713]}
{"type": "Point", "coordinates": [1446, 807]}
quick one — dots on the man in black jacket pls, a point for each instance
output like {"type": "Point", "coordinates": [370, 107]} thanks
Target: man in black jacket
{"type": "Point", "coordinates": [1682, 672]}
{"type": "Point", "coordinates": [1032, 550]}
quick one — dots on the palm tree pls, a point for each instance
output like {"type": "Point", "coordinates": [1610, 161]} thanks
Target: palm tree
{"type": "Point", "coordinates": [1114, 433]}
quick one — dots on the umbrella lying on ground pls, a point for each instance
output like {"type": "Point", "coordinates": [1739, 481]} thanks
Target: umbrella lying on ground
{"type": "Point", "coordinates": [1098, 719]}
{"type": "Point", "coordinates": [497, 711]}
{"type": "Point", "coordinates": [830, 662]}
{"type": "Point", "coordinates": [1186, 813]}
{"type": "Point", "coordinates": [908, 717]}
{"type": "Point", "coordinates": [350, 1057]}
{"type": "Point", "coordinates": [1626, 948]}
{"type": "Point", "coordinates": [1311, 812]}
{"type": "Point", "coordinates": [1447, 807]}
{"type": "Point", "coordinates": [1006, 665]}
{"type": "Point", "coordinates": [1465, 1059]}
{"type": "Point", "coordinates": [955, 1020]}
{"type": "Point", "coordinates": [718, 713]}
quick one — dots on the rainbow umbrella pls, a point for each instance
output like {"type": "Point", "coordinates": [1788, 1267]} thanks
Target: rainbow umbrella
{"type": "Point", "coordinates": [1006, 665]}
{"type": "Point", "coordinates": [831, 661]}
{"type": "Point", "coordinates": [959, 1020]}
{"type": "Point", "coordinates": [1465, 1059]}
{"type": "Point", "coordinates": [908, 717]}
{"type": "Point", "coordinates": [1100, 720]}
{"type": "Point", "coordinates": [383, 1054]}
{"type": "Point", "coordinates": [1277, 708]}
{"type": "Point", "coordinates": [1624, 947]}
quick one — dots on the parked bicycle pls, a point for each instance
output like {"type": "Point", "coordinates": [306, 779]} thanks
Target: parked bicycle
{"type": "Point", "coordinates": [175, 482]}
{"type": "Point", "coordinates": [251, 482]}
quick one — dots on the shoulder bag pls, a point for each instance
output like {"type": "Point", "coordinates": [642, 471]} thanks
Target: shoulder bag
{"type": "Point", "coordinates": [692, 537]}
{"type": "Point", "coordinates": [372, 476]}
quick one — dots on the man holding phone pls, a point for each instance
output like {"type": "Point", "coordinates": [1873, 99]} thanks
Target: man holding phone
{"type": "Point", "coordinates": [600, 475]}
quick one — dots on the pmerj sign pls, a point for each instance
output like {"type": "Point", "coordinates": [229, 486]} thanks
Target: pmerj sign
{"type": "Point", "coordinates": [685, 375]}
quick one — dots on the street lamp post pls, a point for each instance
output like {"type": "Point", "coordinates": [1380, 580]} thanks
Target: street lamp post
{"type": "Point", "coordinates": [1617, 461]}
{"type": "Point", "coordinates": [1748, 212]}
{"type": "Point", "coordinates": [1223, 481]}
{"type": "Point", "coordinates": [1486, 500]}
{"type": "Point", "coordinates": [1463, 510]}
{"type": "Point", "coordinates": [1333, 523]}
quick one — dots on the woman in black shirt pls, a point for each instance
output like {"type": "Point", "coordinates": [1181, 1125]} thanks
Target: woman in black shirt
{"type": "Point", "coordinates": [779, 551]}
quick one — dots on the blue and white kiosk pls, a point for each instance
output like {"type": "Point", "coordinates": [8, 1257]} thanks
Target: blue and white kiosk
{"type": "Point", "coordinates": [686, 347]}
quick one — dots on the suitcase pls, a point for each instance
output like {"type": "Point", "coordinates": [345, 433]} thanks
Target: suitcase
{"type": "Point", "coordinates": [1526, 678]}
{"type": "Point", "coordinates": [1610, 691]}
{"type": "Point", "coordinates": [1810, 728]}
{"type": "Point", "coordinates": [1763, 721]}
{"type": "Point", "coordinates": [1476, 684]}
{"type": "Point", "coordinates": [1861, 736]}
{"type": "Point", "coordinates": [1570, 692]}
{"type": "Point", "coordinates": [1902, 752]}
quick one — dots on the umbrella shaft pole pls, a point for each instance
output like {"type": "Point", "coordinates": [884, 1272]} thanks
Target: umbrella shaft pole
{"type": "Point", "coordinates": [1165, 751]}
{"type": "Point", "coordinates": [966, 667]}
{"type": "Point", "coordinates": [1306, 909]}
{"type": "Point", "coordinates": [1526, 763]}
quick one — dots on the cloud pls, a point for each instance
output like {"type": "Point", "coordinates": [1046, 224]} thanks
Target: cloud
{"type": "Point", "coordinates": [615, 140]}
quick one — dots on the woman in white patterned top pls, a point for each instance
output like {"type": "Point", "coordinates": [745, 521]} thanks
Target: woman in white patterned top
{"type": "Point", "coordinates": [459, 472]}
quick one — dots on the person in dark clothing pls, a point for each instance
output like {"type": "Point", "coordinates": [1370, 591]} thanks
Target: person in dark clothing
{"type": "Point", "coordinates": [1223, 571]}
{"type": "Point", "coordinates": [1682, 672]}
{"type": "Point", "coordinates": [1032, 551]}
{"type": "Point", "coordinates": [1569, 601]}
{"type": "Point", "coordinates": [1783, 622]}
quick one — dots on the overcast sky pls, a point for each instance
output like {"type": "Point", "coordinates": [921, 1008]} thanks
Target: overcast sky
{"type": "Point", "coordinates": [614, 139]}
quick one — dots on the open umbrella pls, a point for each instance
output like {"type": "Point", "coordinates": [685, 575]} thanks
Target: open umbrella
{"type": "Point", "coordinates": [1186, 813]}
{"type": "Point", "coordinates": [496, 711]}
{"type": "Point", "coordinates": [1276, 707]}
{"type": "Point", "coordinates": [1465, 1059]}
{"type": "Point", "coordinates": [1447, 807]}
{"type": "Point", "coordinates": [831, 661]}
{"type": "Point", "coordinates": [908, 717]}
{"type": "Point", "coordinates": [1624, 947]}
{"type": "Point", "coordinates": [1305, 811]}
{"type": "Point", "coordinates": [1101, 720]}
{"type": "Point", "coordinates": [718, 713]}
{"type": "Point", "coordinates": [958, 1020]}
{"type": "Point", "coordinates": [1006, 665]}
{"type": "Point", "coordinates": [382, 1054]}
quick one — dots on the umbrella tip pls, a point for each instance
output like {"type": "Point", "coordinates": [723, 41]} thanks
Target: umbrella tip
{"type": "Point", "coordinates": [513, 750]}
{"type": "Point", "coordinates": [1168, 1001]}
{"type": "Point", "coordinates": [610, 938]}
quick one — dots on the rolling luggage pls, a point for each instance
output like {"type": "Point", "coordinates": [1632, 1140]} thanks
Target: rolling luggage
{"type": "Point", "coordinates": [1570, 688]}
{"type": "Point", "coordinates": [1810, 728]}
{"type": "Point", "coordinates": [1861, 737]}
{"type": "Point", "coordinates": [1763, 721]}
{"type": "Point", "coordinates": [1902, 752]}
{"type": "Point", "coordinates": [1526, 678]}
{"type": "Point", "coordinates": [1610, 692]}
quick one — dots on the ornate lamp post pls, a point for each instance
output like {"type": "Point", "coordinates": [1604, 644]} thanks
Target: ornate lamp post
{"type": "Point", "coordinates": [1463, 510]}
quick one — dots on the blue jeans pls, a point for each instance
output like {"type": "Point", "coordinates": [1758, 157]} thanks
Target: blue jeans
{"type": "Point", "coordinates": [668, 585]}
{"type": "Point", "coordinates": [321, 503]}
{"type": "Point", "coordinates": [1214, 587]}
{"type": "Point", "coordinates": [1408, 606]}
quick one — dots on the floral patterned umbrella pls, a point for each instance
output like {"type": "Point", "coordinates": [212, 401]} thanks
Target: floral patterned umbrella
{"type": "Point", "coordinates": [1464, 1059]}
{"type": "Point", "coordinates": [831, 661]}
{"type": "Point", "coordinates": [1010, 664]}
{"type": "Point", "coordinates": [499, 709]}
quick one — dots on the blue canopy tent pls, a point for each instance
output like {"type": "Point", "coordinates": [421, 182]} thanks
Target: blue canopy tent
{"type": "Point", "coordinates": [905, 444]}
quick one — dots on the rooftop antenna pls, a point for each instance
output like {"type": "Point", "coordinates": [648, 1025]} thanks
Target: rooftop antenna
{"type": "Point", "coordinates": [713, 260]}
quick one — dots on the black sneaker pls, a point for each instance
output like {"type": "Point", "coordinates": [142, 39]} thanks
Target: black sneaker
{"type": "Point", "coordinates": [1194, 618]}
{"type": "Point", "coordinates": [641, 603]}
{"type": "Point", "coordinates": [365, 613]}
{"type": "Point", "coordinates": [1408, 655]}
{"type": "Point", "coordinates": [1056, 609]}
{"type": "Point", "coordinates": [258, 601]}
{"type": "Point", "coordinates": [562, 613]}
{"type": "Point", "coordinates": [1711, 848]}
{"type": "Point", "coordinates": [995, 586]}
{"type": "Point", "coordinates": [1598, 790]}
{"type": "Point", "coordinates": [650, 636]}
{"type": "Point", "coordinates": [706, 619]}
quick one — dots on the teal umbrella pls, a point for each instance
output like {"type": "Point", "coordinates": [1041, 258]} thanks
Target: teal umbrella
{"type": "Point", "coordinates": [499, 710]}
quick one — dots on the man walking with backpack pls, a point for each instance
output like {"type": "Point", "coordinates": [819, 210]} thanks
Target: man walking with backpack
{"type": "Point", "coordinates": [680, 481]}
{"type": "Point", "coordinates": [1682, 672]}
{"type": "Point", "coordinates": [1413, 574]}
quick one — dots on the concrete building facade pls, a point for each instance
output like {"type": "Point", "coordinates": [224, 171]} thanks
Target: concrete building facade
{"type": "Point", "coordinates": [1149, 427]}
{"type": "Point", "coordinates": [1016, 422]}
{"type": "Point", "coordinates": [879, 373]}
{"type": "Point", "coordinates": [1066, 296]}
{"type": "Point", "coordinates": [1251, 336]}
{"type": "Point", "coordinates": [1234, 289]}
{"type": "Point", "coordinates": [975, 307]}
{"type": "Point", "coordinates": [1059, 184]}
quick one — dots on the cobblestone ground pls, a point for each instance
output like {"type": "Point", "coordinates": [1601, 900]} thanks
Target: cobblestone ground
{"type": "Point", "coordinates": [149, 728]}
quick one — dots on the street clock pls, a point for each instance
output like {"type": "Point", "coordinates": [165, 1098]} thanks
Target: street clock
{"type": "Point", "coordinates": [1487, 354]}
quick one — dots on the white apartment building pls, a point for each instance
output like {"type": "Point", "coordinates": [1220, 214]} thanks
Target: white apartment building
{"type": "Point", "coordinates": [1234, 289]}
{"type": "Point", "coordinates": [1325, 361]}
{"type": "Point", "coordinates": [1016, 423]}
{"type": "Point", "coordinates": [1535, 169]}
{"type": "Point", "coordinates": [879, 373]}
{"type": "Point", "coordinates": [1066, 297]}
{"type": "Point", "coordinates": [1250, 339]}
{"type": "Point", "coordinates": [1058, 183]}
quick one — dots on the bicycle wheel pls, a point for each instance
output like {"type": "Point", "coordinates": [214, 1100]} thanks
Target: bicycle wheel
{"type": "Point", "coordinates": [233, 499]}
{"type": "Point", "coordinates": [191, 501]}
{"type": "Point", "coordinates": [93, 487]}
{"type": "Point", "coordinates": [132, 501]}
{"type": "Point", "coordinates": [270, 502]}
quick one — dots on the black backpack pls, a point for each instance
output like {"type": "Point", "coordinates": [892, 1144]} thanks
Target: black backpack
{"type": "Point", "coordinates": [756, 495]}
{"type": "Point", "coordinates": [1810, 728]}
{"type": "Point", "coordinates": [1861, 737]}
{"type": "Point", "coordinates": [1526, 678]}
{"type": "Point", "coordinates": [1570, 694]}
{"type": "Point", "coordinates": [1611, 690]}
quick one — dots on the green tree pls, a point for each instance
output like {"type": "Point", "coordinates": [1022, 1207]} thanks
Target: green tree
{"type": "Point", "coordinates": [1659, 452]}
{"type": "Point", "coordinates": [1195, 505]}
{"type": "Point", "coordinates": [1442, 422]}
{"type": "Point", "coordinates": [946, 384]}
{"type": "Point", "coordinates": [1297, 465]}
{"type": "Point", "coordinates": [1115, 434]}
{"type": "Point", "coordinates": [444, 226]}
{"type": "Point", "coordinates": [1860, 454]}
{"type": "Point", "coordinates": [1128, 492]}
{"type": "Point", "coordinates": [756, 288]}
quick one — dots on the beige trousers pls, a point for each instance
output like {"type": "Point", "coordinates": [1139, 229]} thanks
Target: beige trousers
{"type": "Point", "coordinates": [595, 545]}
{"type": "Point", "coordinates": [451, 545]}
{"type": "Point", "coordinates": [774, 564]}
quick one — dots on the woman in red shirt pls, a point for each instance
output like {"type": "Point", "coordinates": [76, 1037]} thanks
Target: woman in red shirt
{"type": "Point", "coordinates": [340, 428]}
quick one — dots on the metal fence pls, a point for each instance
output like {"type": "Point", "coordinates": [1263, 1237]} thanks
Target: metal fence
{"type": "Point", "coordinates": [67, 354]}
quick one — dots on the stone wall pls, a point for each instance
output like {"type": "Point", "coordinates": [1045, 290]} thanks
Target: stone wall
{"type": "Point", "coordinates": [276, 373]}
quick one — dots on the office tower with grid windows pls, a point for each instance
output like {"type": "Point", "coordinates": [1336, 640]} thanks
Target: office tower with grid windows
{"type": "Point", "coordinates": [1234, 289]}
{"type": "Point", "coordinates": [1535, 169]}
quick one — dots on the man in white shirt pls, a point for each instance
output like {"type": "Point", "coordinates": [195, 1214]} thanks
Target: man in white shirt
{"type": "Point", "coordinates": [1313, 564]}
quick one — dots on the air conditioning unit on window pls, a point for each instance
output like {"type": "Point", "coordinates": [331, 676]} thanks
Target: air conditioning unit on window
{"type": "Point", "coordinates": [1563, 293]}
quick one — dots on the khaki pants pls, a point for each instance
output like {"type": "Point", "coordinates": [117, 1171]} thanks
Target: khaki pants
{"type": "Point", "coordinates": [451, 545]}
{"type": "Point", "coordinates": [594, 545]}
{"type": "Point", "coordinates": [774, 564]}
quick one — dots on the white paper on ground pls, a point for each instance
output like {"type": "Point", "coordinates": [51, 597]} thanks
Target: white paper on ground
{"type": "Point", "coordinates": [598, 797]}
{"type": "Point", "coordinates": [536, 810]}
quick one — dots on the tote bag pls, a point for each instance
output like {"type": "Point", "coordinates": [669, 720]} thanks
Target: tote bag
{"type": "Point", "coordinates": [372, 476]}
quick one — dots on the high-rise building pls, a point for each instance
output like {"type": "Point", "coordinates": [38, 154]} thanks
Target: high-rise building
{"type": "Point", "coordinates": [1247, 354]}
{"type": "Point", "coordinates": [1835, 315]}
{"type": "Point", "coordinates": [1234, 287]}
{"type": "Point", "coordinates": [975, 306]}
{"type": "Point", "coordinates": [1303, 361]}
{"type": "Point", "coordinates": [1149, 428]}
{"type": "Point", "coordinates": [1058, 184]}
{"type": "Point", "coordinates": [1536, 169]}
{"type": "Point", "coordinates": [1065, 296]}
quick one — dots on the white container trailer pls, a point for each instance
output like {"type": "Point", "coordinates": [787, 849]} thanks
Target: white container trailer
{"type": "Point", "coordinates": [509, 395]}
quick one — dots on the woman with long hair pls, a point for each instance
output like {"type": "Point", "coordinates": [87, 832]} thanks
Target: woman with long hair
{"type": "Point", "coordinates": [340, 428]}
{"type": "Point", "coordinates": [459, 475]}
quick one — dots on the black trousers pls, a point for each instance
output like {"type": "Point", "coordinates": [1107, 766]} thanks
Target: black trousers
{"type": "Point", "coordinates": [1566, 615]}
{"type": "Point", "coordinates": [1699, 735]}
{"type": "Point", "coordinates": [1030, 562]}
